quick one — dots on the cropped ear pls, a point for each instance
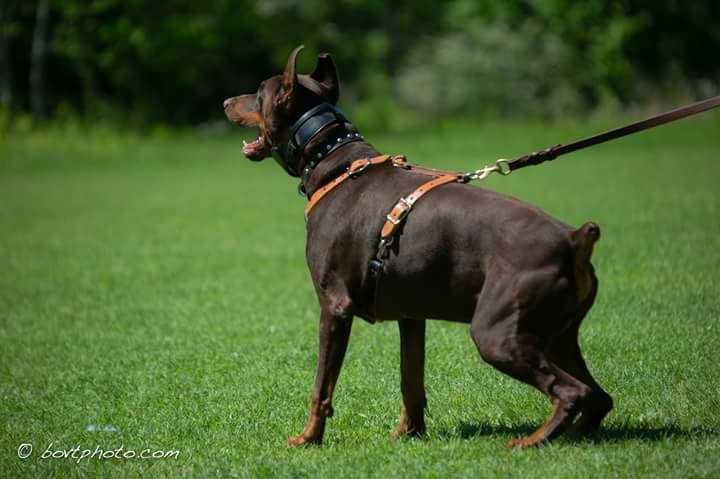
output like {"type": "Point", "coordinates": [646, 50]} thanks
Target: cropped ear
{"type": "Point", "coordinates": [325, 74]}
{"type": "Point", "coordinates": [290, 76]}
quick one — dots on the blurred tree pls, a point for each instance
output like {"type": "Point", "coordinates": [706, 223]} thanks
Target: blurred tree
{"type": "Point", "coordinates": [7, 29]}
{"type": "Point", "coordinates": [37, 59]}
{"type": "Point", "coordinates": [494, 70]}
{"type": "Point", "coordinates": [174, 61]}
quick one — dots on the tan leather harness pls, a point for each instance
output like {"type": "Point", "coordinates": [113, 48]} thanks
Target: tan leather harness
{"type": "Point", "coordinates": [404, 205]}
{"type": "Point", "coordinates": [356, 168]}
{"type": "Point", "coordinates": [401, 209]}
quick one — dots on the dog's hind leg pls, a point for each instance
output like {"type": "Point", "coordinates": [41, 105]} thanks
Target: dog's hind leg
{"type": "Point", "coordinates": [510, 339]}
{"type": "Point", "coordinates": [412, 371]}
{"type": "Point", "coordinates": [565, 352]}
{"type": "Point", "coordinates": [334, 336]}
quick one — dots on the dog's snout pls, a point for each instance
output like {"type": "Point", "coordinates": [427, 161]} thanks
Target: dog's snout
{"type": "Point", "coordinates": [228, 102]}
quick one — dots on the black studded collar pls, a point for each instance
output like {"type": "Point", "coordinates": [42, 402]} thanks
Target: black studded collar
{"type": "Point", "coordinates": [322, 118]}
{"type": "Point", "coordinates": [338, 137]}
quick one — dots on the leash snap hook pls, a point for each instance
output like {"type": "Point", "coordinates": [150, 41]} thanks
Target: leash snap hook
{"type": "Point", "coordinates": [483, 172]}
{"type": "Point", "coordinates": [501, 166]}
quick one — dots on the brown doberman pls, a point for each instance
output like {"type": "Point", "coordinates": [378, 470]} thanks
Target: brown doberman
{"type": "Point", "coordinates": [521, 279]}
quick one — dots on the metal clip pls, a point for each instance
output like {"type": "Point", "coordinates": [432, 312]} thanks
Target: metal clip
{"type": "Point", "coordinates": [355, 173]}
{"type": "Point", "coordinates": [501, 166]}
{"type": "Point", "coordinates": [384, 244]}
{"type": "Point", "coordinates": [483, 172]}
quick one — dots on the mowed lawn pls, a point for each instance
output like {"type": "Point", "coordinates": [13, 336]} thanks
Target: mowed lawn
{"type": "Point", "coordinates": [154, 295]}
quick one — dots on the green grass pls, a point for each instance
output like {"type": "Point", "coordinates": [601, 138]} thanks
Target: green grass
{"type": "Point", "coordinates": [158, 285]}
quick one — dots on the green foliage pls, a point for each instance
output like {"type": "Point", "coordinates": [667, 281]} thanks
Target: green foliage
{"type": "Point", "coordinates": [491, 69]}
{"type": "Point", "coordinates": [159, 285]}
{"type": "Point", "coordinates": [174, 62]}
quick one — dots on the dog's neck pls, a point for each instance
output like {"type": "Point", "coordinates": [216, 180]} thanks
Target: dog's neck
{"type": "Point", "coordinates": [321, 147]}
{"type": "Point", "coordinates": [336, 163]}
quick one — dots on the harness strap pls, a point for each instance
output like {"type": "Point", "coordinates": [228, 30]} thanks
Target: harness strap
{"type": "Point", "coordinates": [397, 215]}
{"type": "Point", "coordinates": [356, 168]}
{"type": "Point", "coordinates": [400, 161]}
{"type": "Point", "coordinates": [404, 205]}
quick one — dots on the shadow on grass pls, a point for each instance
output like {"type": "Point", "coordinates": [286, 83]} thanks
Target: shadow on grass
{"type": "Point", "coordinates": [611, 433]}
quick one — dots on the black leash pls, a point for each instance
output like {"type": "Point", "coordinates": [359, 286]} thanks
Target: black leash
{"type": "Point", "coordinates": [553, 152]}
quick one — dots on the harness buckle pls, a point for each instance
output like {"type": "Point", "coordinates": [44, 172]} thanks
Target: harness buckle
{"type": "Point", "coordinates": [393, 220]}
{"type": "Point", "coordinates": [407, 206]}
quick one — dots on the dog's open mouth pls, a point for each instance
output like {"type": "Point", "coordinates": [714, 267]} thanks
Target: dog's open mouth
{"type": "Point", "coordinates": [256, 149]}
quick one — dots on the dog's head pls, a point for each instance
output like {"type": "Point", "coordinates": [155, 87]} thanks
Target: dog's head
{"type": "Point", "coordinates": [280, 101]}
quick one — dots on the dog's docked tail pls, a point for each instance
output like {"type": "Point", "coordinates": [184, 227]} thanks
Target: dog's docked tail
{"type": "Point", "coordinates": [584, 239]}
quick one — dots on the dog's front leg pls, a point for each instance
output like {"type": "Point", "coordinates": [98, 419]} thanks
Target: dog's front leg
{"type": "Point", "coordinates": [334, 336]}
{"type": "Point", "coordinates": [412, 372]}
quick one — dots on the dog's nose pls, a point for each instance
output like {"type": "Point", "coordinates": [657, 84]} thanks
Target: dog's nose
{"type": "Point", "coordinates": [227, 102]}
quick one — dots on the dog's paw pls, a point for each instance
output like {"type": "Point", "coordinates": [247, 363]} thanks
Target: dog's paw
{"type": "Point", "coordinates": [524, 443]}
{"type": "Point", "coordinates": [403, 431]}
{"type": "Point", "coordinates": [302, 441]}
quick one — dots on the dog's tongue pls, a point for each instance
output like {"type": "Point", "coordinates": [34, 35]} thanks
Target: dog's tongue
{"type": "Point", "coordinates": [254, 147]}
